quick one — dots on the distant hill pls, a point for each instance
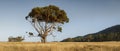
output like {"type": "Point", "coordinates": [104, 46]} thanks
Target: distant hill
{"type": "Point", "coordinates": [109, 34]}
{"type": "Point", "coordinates": [112, 29]}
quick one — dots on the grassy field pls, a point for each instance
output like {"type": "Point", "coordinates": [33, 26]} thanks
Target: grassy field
{"type": "Point", "coordinates": [60, 46]}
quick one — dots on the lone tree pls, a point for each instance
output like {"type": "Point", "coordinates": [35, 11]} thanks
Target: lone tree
{"type": "Point", "coordinates": [47, 19]}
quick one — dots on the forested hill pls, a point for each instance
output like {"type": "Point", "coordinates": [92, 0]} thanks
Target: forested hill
{"type": "Point", "coordinates": [113, 29]}
{"type": "Point", "coordinates": [109, 34]}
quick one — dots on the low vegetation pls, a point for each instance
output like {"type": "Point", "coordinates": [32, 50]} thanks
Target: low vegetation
{"type": "Point", "coordinates": [60, 46]}
{"type": "Point", "coordinates": [15, 39]}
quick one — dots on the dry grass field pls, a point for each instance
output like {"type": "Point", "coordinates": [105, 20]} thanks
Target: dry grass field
{"type": "Point", "coordinates": [60, 46]}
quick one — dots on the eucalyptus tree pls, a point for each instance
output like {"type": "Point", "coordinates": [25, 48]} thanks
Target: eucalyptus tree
{"type": "Point", "coordinates": [47, 19]}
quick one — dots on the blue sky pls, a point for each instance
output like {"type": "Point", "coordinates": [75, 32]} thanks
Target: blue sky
{"type": "Point", "coordinates": [86, 16]}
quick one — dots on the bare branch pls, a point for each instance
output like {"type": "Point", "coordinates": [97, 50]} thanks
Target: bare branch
{"type": "Point", "coordinates": [50, 26]}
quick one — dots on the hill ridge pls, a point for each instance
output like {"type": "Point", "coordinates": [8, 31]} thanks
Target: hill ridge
{"type": "Point", "coordinates": [108, 34]}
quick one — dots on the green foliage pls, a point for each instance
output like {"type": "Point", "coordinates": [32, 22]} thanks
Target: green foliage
{"type": "Point", "coordinates": [109, 34]}
{"type": "Point", "coordinates": [49, 14]}
{"type": "Point", "coordinates": [31, 34]}
{"type": "Point", "coordinates": [59, 29]}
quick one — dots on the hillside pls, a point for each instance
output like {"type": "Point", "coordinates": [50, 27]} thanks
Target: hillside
{"type": "Point", "coordinates": [109, 34]}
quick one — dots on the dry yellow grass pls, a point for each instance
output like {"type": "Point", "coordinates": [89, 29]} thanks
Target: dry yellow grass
{"type": "Point", "coordinates": [60, 46]}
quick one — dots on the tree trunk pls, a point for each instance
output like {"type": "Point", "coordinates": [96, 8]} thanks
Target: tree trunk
{"type": "Point", "coordinates": [43, 39]}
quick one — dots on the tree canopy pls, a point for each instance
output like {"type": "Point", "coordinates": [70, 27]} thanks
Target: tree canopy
{"type": "Point", "coordinates": [48, 14]}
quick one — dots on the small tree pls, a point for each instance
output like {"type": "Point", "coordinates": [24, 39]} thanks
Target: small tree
{"type": "Point", "coordinates": [47, 19]}
{"type": "Point", "coordinates": [16, 39]}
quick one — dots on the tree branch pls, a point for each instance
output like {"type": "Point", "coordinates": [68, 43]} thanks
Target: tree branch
{"type": "Point", "coordinates": [51, 27]}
